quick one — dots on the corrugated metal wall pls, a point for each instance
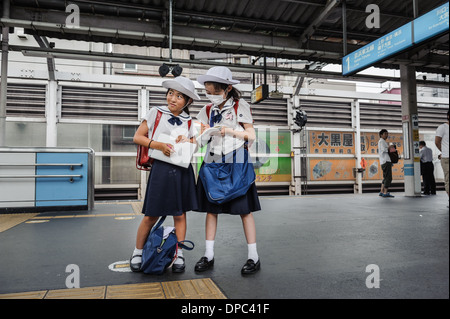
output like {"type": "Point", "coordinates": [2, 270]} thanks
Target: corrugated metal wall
{"type": "Point", "coordinates": [26, 100]}
{"type": "Point", "coordinates": [268, 112]}
{"type": "Point", "coordinates": [99, 103]}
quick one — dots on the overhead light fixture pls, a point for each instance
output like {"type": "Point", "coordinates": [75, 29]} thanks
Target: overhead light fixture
{"type": "Point", "coordinates": [165, 69]}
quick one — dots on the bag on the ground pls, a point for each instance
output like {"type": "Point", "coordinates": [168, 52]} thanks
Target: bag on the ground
{"type": "Point", "coordinates": [393, 154]}
{"type": "Point", "coordinates": [160, 249]}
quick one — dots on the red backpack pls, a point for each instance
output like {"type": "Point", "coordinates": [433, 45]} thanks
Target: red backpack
{"type": "Point", "coordinates": [143, 161]}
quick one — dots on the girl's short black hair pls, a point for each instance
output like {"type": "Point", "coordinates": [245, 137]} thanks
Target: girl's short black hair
{"type": "Point", "coordinates": [234, 93]}
{"type": "Point", "coordinates": [186, 100]}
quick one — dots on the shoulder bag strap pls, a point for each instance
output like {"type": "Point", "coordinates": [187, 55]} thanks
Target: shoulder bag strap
{"type": "Point", "coordinates": [160, 222]}
{"type": "Point", "coordinates": [182, 244]}
{"type": "Point", "coordinates": [157, 120]}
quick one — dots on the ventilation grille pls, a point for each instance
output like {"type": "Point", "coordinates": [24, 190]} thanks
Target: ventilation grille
{"type": "Point", "coordinates": [327, 114]}
{"type": "Point", "coordinates": [268, 112]}
{"type": "Point", "coordinates": [99, 103]}
{"type": "Point", "coordinates": [26, 100]}
{"type": "Point", "coordinates": [389, 116]}
{"type": "Point", "coordinates": [378, 116]}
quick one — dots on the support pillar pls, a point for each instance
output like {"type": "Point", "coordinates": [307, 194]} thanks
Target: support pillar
{"type": "Point", "coordinates": [51, 113]}
{"type": "Point", "coordinates": [356, 123]}
{"type": "Point", "coordinates": [296, 180]}
{"type": "Point", "coordinates": [410, 126]}
{"type": "Point", "coordinates": [4, 75]}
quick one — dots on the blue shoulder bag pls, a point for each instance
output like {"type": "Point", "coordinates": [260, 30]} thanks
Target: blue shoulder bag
{"type": "Point", "coordinates": [229, 179]}
{"type": "Point", "coordinates": [159, 252]}
{"type": "Point", "coordinates": [232, 177]}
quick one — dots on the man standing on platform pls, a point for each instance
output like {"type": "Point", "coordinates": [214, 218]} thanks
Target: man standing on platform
{"type": "Point", "coordinates": [427, 169]}
{"type": "Point", "coordinates": [385, 163]}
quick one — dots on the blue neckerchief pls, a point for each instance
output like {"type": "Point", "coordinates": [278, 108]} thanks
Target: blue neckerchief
{"type": "Point", "coordinates": [215, 118]}
{"type": "Point", "coordinates": [175, 120]}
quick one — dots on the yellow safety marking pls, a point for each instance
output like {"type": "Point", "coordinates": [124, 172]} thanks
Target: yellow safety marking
{"type": "Point", "coordinates": [192, 289]}
{"type": "Point", "coordinates": [203, 288]}
{"type": "Point", "coordinates": [77, 293]}
{"type": "Point", "coordinates": [37, 221]}
{"type": "Point", "coordinates": [124, 216]}
{"type": "Point", "coordinates": [25, 295]}
{"type": "Point", "coordinates": [137, 207]}
{"type": "Point", "coordinates": [64, 216]}
{"type": "Point", "coordinates": [136, 291]}
{"type": "Point", "coordinates": [8, 221]}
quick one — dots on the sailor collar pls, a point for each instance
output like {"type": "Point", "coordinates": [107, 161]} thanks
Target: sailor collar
{"type": "Point", "coordinates": [228, 104]}
{"type": "Point", "coordinates": [183, 116]}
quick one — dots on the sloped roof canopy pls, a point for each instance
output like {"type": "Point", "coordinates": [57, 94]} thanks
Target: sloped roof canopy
{"type": "Point", "coordinates": [306, 30]}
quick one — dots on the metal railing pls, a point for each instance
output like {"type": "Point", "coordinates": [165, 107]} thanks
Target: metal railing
{"type": "Point", "coordinates": [87, 173]}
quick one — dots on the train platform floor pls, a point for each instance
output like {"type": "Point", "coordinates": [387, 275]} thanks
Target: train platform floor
{"type": "Point", "coordinates": [319, 246]}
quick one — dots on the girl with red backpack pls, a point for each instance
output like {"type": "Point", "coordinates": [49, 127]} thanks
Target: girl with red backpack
{"type": "Point", "coordinates": [171, 189]}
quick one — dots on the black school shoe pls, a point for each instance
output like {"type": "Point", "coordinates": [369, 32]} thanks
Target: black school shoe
{"type": "Point", "coordinates": [250, 267]}
{"type": "Point", "coordinates": [135, 267]}
{"type": "Point", "coordinates": [179, 268]}
{"type": "Point", "coordinates": [203, 264]}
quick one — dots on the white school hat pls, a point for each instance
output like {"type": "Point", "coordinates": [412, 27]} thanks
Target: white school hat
{"type": "Point", "coordinates": [183, 85]}
{"type": "Point", "coordinates": [218, 74]}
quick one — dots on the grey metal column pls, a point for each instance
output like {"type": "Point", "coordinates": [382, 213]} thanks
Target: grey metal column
{"type": "Point", "coordinates": [51, 113]}
{"type": "Point", "coordinates": [296, 179]}
{"type": "Point", "coordinates": [4, 75]}
{"type": "Point", "coordinates": [356, 124]}
{"type": "Point", "coordinates": [410, 126]}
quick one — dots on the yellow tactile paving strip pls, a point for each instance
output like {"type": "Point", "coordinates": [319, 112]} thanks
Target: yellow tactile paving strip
{"type": "Point", "coordinates": [187, 289]}
{"type": "Point", "coordinates": [8, 221]}
{"type": "Point", "coordinates": [203, 288]}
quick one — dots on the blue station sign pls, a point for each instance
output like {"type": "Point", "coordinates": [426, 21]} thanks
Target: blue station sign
{"type": "Point", "coordinates": [431, 24]}
{"type": "Point", "coordinates": [421, 29]}
{"type": "Point", "coordinates": [378, 50]}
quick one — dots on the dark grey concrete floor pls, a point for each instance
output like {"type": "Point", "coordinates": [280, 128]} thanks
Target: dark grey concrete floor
{"type": "Point", "coordinates": [310, 247]}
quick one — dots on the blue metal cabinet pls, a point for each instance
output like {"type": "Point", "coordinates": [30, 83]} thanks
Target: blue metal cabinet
{"type": "Point", "coordinates": [62, 191]}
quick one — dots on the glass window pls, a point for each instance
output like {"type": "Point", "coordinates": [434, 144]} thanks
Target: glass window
{"type": "Point", "coordinates": [99, 137]}
{"type": "Point", "coordinates": [116, 170]}
{"type": "Point", "coordinates": [25, 134]}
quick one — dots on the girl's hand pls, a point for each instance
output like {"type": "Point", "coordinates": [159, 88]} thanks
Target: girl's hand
{"type": "Point", "coordinates": [166, 149]}
{"type": "Point", "coordinates": [181, 139]}
{"type": "Point", "coordinates": [226, 130]}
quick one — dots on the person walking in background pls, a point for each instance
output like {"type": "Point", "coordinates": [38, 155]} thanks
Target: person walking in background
{"type": "Point", "coordinates": [427, 169]}
{"type": "Point", "coordinates": [385, 163]}
{"type": "Point", "coordinates": [441, 141]}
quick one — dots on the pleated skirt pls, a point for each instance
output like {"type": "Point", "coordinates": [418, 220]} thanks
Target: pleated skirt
{"type": "Point", "coordinates": [242, 205]}
{"type": "Point", "coordinates": [171, 190]}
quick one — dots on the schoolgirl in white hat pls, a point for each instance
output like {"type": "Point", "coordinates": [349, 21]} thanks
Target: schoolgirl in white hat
{"type": "Point", "coordinates": [171, 189]}
{"type": "Point", "coordinates": [230, 111]}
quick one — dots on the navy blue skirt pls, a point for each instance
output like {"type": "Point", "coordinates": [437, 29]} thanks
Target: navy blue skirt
{"type": "Point", "coordinates": [239, 206]}
{"type": "Point", "coordinates": [170, 191]}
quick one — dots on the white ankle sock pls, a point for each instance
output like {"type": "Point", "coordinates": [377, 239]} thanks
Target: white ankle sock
{"type": "Point", "coordinates": [209, 251]}
{"type": "Point", "coordinates": [179, 261]}
{"type": "Point", "coordinates": [252, 253]}
{"type": "Point", "coordinates": [136, 260]}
